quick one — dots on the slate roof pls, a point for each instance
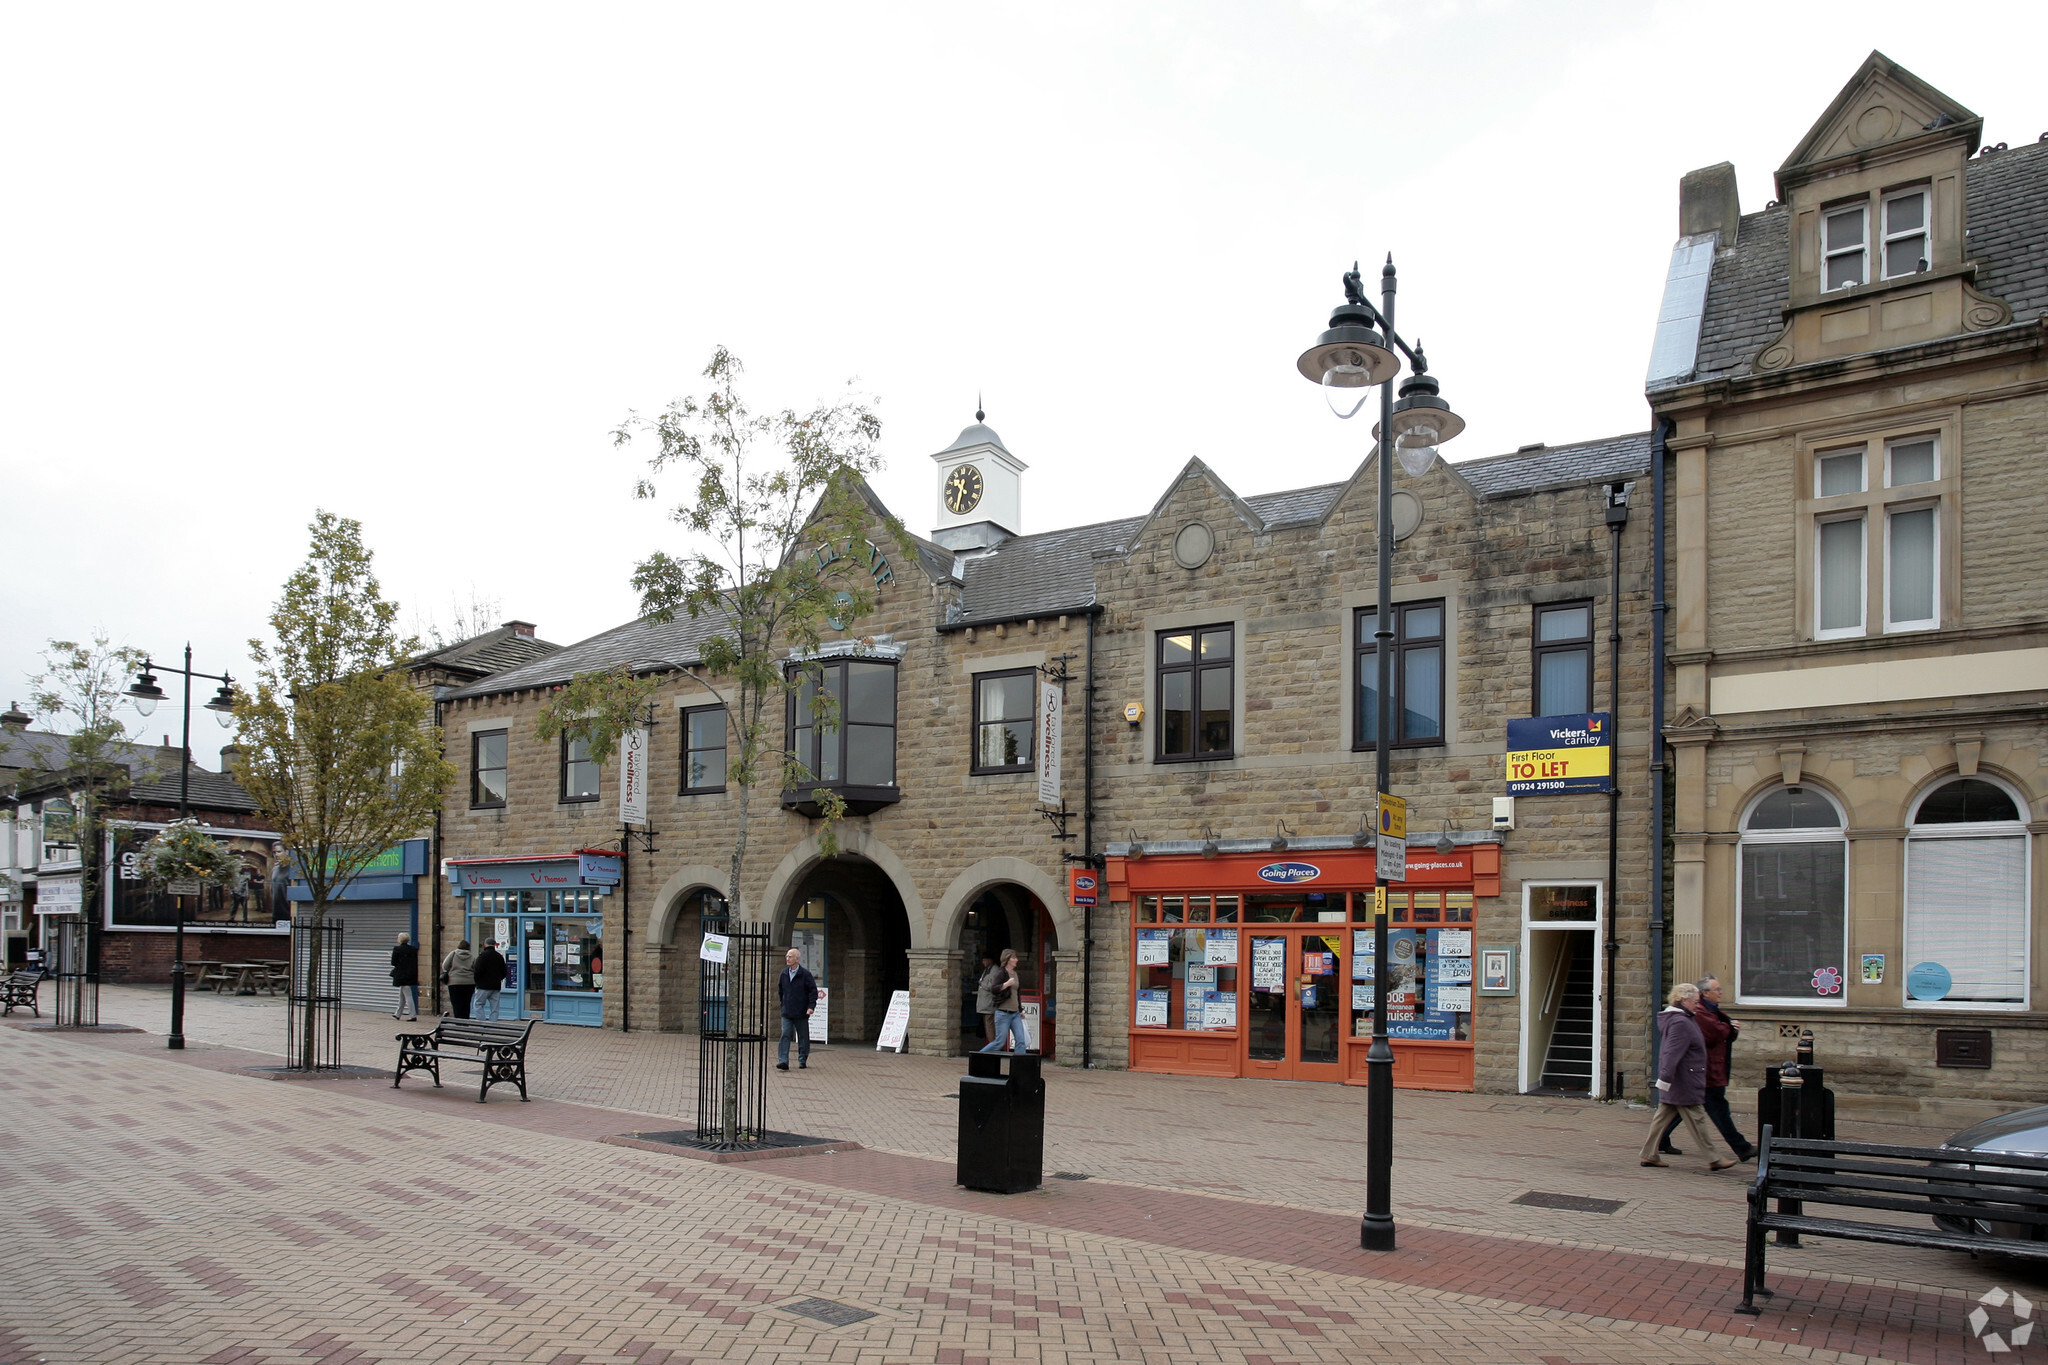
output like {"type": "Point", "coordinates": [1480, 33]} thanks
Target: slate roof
{"type": "Point", "coordinates": [491, 652]}
{"type": "Point", "coordinates": [39, 760]}
{"type": "Point", "coordinates": [1583, 462]}
{"type": "Point", "coordinates": [206, 791]}
{"type": "Point", "coordinates": [2007, 194]}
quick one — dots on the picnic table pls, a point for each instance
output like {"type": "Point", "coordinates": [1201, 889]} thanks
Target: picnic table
{"type": "Point", "coordinates": [243, 978]}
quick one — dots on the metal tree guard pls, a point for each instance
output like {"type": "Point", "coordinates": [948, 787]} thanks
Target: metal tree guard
{"type": "Point", "coordinates": [313, 1027]}
{"type": "Point", "coordinates": [78, 977]}
{"type": "Point", "coordinates": [732, 1045]}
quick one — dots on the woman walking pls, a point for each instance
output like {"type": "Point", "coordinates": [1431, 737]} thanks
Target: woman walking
{"type": "Point", "coordinates": [1682, 1078]}
{"type": "Point", "coordinates": [458, 974]}
{"type": "Point", "coordinates": [1009, 1013]}
{"type": "Point", "coordinates": [405, 974]}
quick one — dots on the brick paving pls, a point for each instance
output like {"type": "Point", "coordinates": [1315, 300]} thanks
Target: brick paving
{"type": "Point", "coordinates": [170, 1212]}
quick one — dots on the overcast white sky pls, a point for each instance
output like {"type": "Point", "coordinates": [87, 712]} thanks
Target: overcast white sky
{"type": "Point", "coordinates": [412, 263]}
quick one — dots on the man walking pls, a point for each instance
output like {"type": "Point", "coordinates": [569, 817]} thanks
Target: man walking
{"type": "Point", "coordinates": [489, 970]}
{"type": "Point", "coordinates": [799, 999]}
{"type": "Point", "coordinates": [1681, 1078]}
{"type": "Point", "coordinates": [1009, 1014]}
{"type": "Point", "coordinates": [1719, 1031]}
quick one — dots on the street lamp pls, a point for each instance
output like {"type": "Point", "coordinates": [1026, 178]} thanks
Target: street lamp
{"type": "Point", "coordinates": [147, 694]}
{"type": "Point", "coordinates": [1357, 354]}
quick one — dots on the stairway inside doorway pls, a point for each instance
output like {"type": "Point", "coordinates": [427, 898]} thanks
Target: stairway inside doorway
{"type": "Point", "coordinates": [1568, 1061]}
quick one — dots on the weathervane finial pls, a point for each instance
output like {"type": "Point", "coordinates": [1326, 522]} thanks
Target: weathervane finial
{"type": "Point", "coordinates": [979, 415]}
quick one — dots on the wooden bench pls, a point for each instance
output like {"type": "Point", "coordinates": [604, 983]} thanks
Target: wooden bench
{"type": "Point", "coordinates": [1951, 1199]}
{"type": "Point", "coordinates": [19, 988]}
{"type": "Point", "coordinates": [499, 1045]}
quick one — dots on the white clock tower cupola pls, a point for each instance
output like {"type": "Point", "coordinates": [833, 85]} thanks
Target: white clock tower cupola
{"type": "Point", "coordinates": [981, 490]}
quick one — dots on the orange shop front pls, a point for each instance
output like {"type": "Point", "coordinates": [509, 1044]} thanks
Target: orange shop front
{"type": "Point", "coordinates": [1260, 964]}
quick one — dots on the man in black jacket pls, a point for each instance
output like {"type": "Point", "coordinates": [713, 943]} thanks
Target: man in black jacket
{"type": "Point", "coordinates": [490, 971]}
{"type": "Point", "coordinates": [799, 999]}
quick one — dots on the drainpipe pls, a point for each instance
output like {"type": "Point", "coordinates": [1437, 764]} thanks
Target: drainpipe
{"type": "Point", "coordinates": [1617, 519]}
{"type": "Point", "coordinates": [1659, 609]}
{"type": "Point", "coordinates": [626, 920]}
{"type": "Point", "coordinates": [1088, 851]}
{"type": "Point", "coordinates": [434, 958]}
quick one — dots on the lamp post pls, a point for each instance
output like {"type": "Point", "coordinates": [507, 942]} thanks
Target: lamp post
{"type": "Point", "coordinates": [147, 694]}
{"type": "Point", "coordinates": [1357, 354]}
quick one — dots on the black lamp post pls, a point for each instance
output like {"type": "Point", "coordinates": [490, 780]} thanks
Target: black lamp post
{"type": "Point", "coordinates": [1356, 354]}
{"type": "Point", "coordinates": [147, 694]}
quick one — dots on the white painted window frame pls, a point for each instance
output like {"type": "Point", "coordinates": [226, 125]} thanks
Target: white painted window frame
{"type": "Point", "coordinates": [1861, 451]}
{"type": "Point", "coordinates": [1933, 438]}
{"type": "Point", "coordinates": [1862, 626]}
{"type": "Point", "coordinates": [1597, 926]}
{"type": "Point", "coordinates": [1925, 232]}
{"type": "Point", "coordinates": [1891, 510]}
{"type": "Point", "coordinates": [2003, 829]}
{"type": "Point", "coordinates": [1838, 836]}
{"type": "Point", "coordinates": [1828, 253]}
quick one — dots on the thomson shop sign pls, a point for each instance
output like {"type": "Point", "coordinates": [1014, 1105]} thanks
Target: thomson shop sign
{"type": "Point", "coordinates": [1289, 874]}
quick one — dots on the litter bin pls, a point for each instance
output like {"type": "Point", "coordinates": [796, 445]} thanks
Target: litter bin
{"type": "Point", "coordinates": [1002, 1123]}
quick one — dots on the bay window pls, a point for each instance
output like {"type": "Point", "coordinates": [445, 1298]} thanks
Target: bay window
{"type": "Point", "coordinates": [841, 728]}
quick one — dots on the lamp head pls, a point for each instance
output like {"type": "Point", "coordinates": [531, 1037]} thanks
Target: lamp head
{"type": "Point", "coordinates": [146, 693]}
{"type": "Point", "coordinates": [223, 705]}
{"type": "Point", "coordinates": [1422, 421]}
{"type": "Point", "coordinates": [1349, 358]}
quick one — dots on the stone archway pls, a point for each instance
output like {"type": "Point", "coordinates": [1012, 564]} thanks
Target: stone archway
{"type": "Point", "coordinates": [779, 907]}
{"type": "Point", "coordinates": [997, 903]}
{"type": "Point", "coordinates": [845, 916]}
{"type": "Point", "coordinates": [670, 951]}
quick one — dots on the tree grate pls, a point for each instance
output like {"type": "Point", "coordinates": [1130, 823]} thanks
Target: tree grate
{"type": "Point", "coordinates": [825, 1311]}
{"type": "Point", "coordinates": [1574, 1203]}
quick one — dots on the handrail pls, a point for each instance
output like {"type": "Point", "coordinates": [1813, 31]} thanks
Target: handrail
{"type": "Point", "coordinates": [1558, 973]}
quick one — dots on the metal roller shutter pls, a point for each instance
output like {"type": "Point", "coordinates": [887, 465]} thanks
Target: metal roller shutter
{"type": "Point", "coordinates": [369, 929]}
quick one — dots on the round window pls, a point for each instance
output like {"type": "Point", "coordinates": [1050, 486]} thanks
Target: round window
{"type": "Point", "coordinates": [1193, 546]}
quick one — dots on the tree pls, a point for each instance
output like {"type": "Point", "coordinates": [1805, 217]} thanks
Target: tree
{"type": "Point", "coordinates": [339, 752]}
{"type": "Point", "coordinates": [81, 691]}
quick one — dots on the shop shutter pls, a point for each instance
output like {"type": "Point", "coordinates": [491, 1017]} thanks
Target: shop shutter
{"type": "Point", "coordinates": [369, 930]}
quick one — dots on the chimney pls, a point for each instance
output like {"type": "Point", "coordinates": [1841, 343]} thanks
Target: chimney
{"type": "Point", "coordinates": [14, 718]}
{"type": "Point", "coordinates": [525, 628]}
{"type": "Point", "coordinates": [228, 754]}
{"type": "Point", "coordinates": [1707, 202]}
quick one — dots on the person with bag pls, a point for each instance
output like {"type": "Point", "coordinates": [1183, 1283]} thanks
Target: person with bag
{"type": "Point", "coordinates": [1681, 1079]}
{"type": "Point", "coordinates": [458, 974]}
{"type": "Point", "coordinates": [490, 971]}
{"type": "Point", "coordinates": [1009, 1013]}
{"type": "Point", "coordinates": [405, 974]}
{"type": "Point", "coordinates": [984, 997]}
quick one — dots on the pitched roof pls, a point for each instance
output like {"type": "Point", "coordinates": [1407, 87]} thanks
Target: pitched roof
{"type": "Point", "coordinates": [152, 773]}
{"type": "Point", "coordinates": [491, 652]}
{"type": "Point", "coordinates": [2007, 193]}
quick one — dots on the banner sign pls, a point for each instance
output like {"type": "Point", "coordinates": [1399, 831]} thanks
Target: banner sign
{"type": "Point", "coordinates": [598, 869]}
{"type": "Point", "coordinates": [1552, 754]}
{"type": "Point", "coordinates": [60, 895]}
{"type": "Point", "coordinates": [1050, 702]}
{"type": "Point", "coordinates": [633, 778]}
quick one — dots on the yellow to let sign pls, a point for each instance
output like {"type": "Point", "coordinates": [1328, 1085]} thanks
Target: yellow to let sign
{"type": "Point", "coordinates": [1559, 765]}
{"type": "Point", "coordinates": [1393, 816]}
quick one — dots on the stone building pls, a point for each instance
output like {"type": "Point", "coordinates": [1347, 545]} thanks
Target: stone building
{"type": "Point", "coordinates": [1856, 394]}
{"type": "Point", "coordinates": [1211, 663]}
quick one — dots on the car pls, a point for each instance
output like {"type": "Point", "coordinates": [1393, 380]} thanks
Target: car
{"type": "Point", "coordinates": [2024, 1132]}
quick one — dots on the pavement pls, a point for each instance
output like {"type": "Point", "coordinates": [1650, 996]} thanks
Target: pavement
{"type": "Point", "coordinates": [175, 1207]}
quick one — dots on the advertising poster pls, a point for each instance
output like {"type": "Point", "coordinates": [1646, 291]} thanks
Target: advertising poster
{"type": "Point", "coordinates": [1221, 949]}
{"type": "Point", "coordinates": [1314, 962]}
{"type": "Point", "coordinates": [1454, 942]}
{"type": "Point", "coordinates": [537, 951]}
{"type": "Point", "coordinates": [1269, 963]}
{"type": "Point", "coordinates": [1361, 954]}
{"type": "Point", "coordinates": [1873, 969]}
{"type": "Point", "coordinates": [1454, 999]}
{"type": "Point", "coordinates": [1552, 754]}
{"type": "Point", "coordinates": [257, 901]}
{"type": "Point", "coordinates": [896, 1023]}
{"type": "Point", "coordinates": [1152, 948]}
{"type": "Point", "coordinates": [1201, 975]}
{"type": "Point", "coordinates": [1151, 1009]}
{"type": "Point", "coordinates": [1454, 971]}
{"type": "Point", "coordinates": [1361, 995]}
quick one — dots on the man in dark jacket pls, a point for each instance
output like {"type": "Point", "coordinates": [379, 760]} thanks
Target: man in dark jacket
{"type": "Point", "coordinates": [1681, 1078]}
{"type": "Point", "coordinates": [405, 974]}
{"type": "Point", "coordinates": [799, 999]}
{"type": "Point", "coordinates": [489, 969]}
{"type": "Point", "coordinates": [1719, 1031]}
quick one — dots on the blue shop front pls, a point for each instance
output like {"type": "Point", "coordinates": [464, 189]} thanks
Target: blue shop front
{"type": "Point", "coordinates": [374, 907]}
{"type": "Point", "coordinates": [546, 914]}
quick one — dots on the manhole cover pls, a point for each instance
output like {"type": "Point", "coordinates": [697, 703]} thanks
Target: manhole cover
{"type": "Point", "coordinates": [1068, 1175]}
{"type": "Point", "coordinates": [825, 1311]}
{"type": "Point", "coordinates": [1575, 1203]}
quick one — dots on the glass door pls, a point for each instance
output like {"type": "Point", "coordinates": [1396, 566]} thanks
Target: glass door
{"type": "Point", "coordinates": [1295, 1008]}
{"type": "Point", "coordinates": [532, 967]}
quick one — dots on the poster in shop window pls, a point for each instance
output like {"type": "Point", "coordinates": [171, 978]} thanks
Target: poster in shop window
{"type": "Point", "coordinates": [1152, 948]}
{"type": "Point", "coordinates": [1269, 963]}
{"type": "Point", "coordinates": [1200, 975]}
{"type": "Point", "coordinates": [1454, 942]}
{"type": "Point", "coordinates": [1361, 954]}
{"type": "Point", "coordinates": [1219, 1009]}
{"type": "Point", "coordinates": [1455, 971]}
{"type": "Point", "coordinates": [1151, 1009]}
{"type": "Point", "coordinates": [1221, 949]}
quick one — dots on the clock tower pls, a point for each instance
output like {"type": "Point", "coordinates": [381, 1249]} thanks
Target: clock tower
{"type": "Point", "coordinates": [980, 490]}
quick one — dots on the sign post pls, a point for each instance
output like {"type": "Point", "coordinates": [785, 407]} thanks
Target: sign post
{"type": "Point", "coordinates": [1391, 854]}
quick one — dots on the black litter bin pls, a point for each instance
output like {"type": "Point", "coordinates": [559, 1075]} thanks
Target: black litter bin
{"type": "Point", "coordinates": [1002, 1123]}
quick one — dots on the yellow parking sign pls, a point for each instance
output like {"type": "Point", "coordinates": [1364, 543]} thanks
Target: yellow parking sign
{"type": "Point", "coordinates": [1393, 816]}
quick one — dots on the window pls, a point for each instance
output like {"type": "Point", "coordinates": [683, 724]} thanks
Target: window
{"type": "Point", "coordinates": [1877, 536]}
{"type": "Point", "coordinates": [487, 783]}
{"type": "Point", "coordinates": [703, 749]}
{"type": "Point", "coordinates": [1195, 688]}
{"type": "Point", "coordinates": [1563, 638]}
{"type": "Point", "coordinates": [859, 750]}
{"type": "Point", "coordinates": [1005, 706]}
{"type": "Point", "coordinates": [1418, 672]}
{"type": "Point", "coordinates": [1843, 248]}
{"type": "Point", "coordinates": [1791, 904]}
{"type": "Point", "coordinates": [579, 774]}
{"type": "Point", "coordinates": [1905, 233]}
{"type": "Point", "coordinates": [1966, 899]}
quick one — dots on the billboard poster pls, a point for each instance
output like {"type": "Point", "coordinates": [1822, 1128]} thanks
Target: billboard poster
{"type": "Point", "coordinates": [258, 903]}
{"type": "Point", "coordinates": [1550, 755]}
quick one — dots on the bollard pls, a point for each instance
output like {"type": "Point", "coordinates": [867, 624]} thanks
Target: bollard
{"type": "Point", "coordinates": [1796, 1104]}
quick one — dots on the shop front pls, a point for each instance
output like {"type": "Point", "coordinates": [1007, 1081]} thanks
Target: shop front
{"type": "Point", "coordinates": [546, 914]}
{"type": "Point", "coordinates": [1261, 965]}
{"type": "Point", "coordinates": [374, 907]}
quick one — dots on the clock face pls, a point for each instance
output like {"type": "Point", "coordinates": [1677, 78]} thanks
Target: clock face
{"type": "Point", "coordinates": [963, 489]}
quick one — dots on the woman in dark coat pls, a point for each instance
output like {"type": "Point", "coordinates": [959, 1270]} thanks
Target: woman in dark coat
{"type": "Point", "coordinates": [405, 974]}
{"type": "Point", "coordinates": [1682, 1079]}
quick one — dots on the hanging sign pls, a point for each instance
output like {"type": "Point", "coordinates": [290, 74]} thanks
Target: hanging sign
{"type": "Point", "coordinates": [633, 778]}
{"type": "Point", "coordinates": [896, 1023]}
{"type": "Point", "coordinates": [1050, 700]}
{"type": "Point", "coordinates": [598, 869]}
{"type": "Point", "coordinates": [1081, 886]}
{"type": "Point", "coordinates": [714, 948]}
{"type": "Point", "coordinates": [1551, 754]}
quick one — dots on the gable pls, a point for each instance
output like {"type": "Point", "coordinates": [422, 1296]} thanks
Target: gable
{"type": "Point", "coordinates": [1883, 108]}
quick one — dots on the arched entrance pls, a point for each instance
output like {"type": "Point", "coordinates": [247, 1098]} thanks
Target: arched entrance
{"type": "Point", "coordinates": [1008, 916]}
{"type": "Point", "coordinates": [846, 917]}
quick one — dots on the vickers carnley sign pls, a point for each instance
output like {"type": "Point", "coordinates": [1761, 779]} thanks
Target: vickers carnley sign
{"type": "Point", "coordinates": [1552, 754]}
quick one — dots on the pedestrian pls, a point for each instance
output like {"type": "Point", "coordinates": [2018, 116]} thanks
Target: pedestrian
{"type": "Point", "coordinates": [984, 999]}
{"type": "Point", "coordinates": [1681, 1078]}
{"type": "Point", "coordinates": [799, 1000]}
{"type": "Point", "coordinates": [1719, 1032]}
{"type": "Point", "coordinates": [1009, 1014]}
{"type": "Point", "coordinates": [490, 971]}
{"type": "Point", "coordinates": [458, 974]}
{"type": "Point", "coordinates": [405, 974]}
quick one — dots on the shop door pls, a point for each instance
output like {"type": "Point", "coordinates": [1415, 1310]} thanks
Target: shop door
{"type": "Point", "coordinates": [531, 971]}
{"type": "Point", "coordinates": [1295, 1015]}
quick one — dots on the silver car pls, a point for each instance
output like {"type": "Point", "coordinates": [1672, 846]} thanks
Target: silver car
{"type": "Point", "coordinates": [2024, 1132]}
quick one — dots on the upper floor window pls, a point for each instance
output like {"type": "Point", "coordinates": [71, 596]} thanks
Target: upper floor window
{"type": "Point", "coordinates": [703, 749]}
{"type": "Point", "coordinates": [1877, 539]}
{"type": "Point", "coordinates": [1417, 694]}
{"type": "Point", "coordinates": [1845, 248]}
{"type": "Point", "coordinates": [1197, 673]}
{"type": "Point", "coordinates": [1563, 646]}
{"type": "Point", "coordinates": [1905, 233]}
{"type": "Point", "coordinates": [579, 774]}
{"type": "Point", "coordinates": [1966, 898]}
{"type": "Point", "coordinates": [487, 772]}
{"type": "Point", "coordinates": [1005, 720]}
{"type": "Point", "coordinates": [1792, 900]}
{"type": "Point", "coordinates": [860, 750]}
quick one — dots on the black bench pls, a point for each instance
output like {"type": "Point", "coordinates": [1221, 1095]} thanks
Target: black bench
{"type": "Point", "coordinates": [1976, 1201]}
{"type": "Point", "coordinates": [500, 1045]}
{"type": "Point", "coordinates": [19, 988]}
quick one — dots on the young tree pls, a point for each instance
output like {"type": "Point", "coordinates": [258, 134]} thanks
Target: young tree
{"type": "Point", "coordinates": [339, 751]}
{"type": "Point", "coordinates": [81, 692]}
